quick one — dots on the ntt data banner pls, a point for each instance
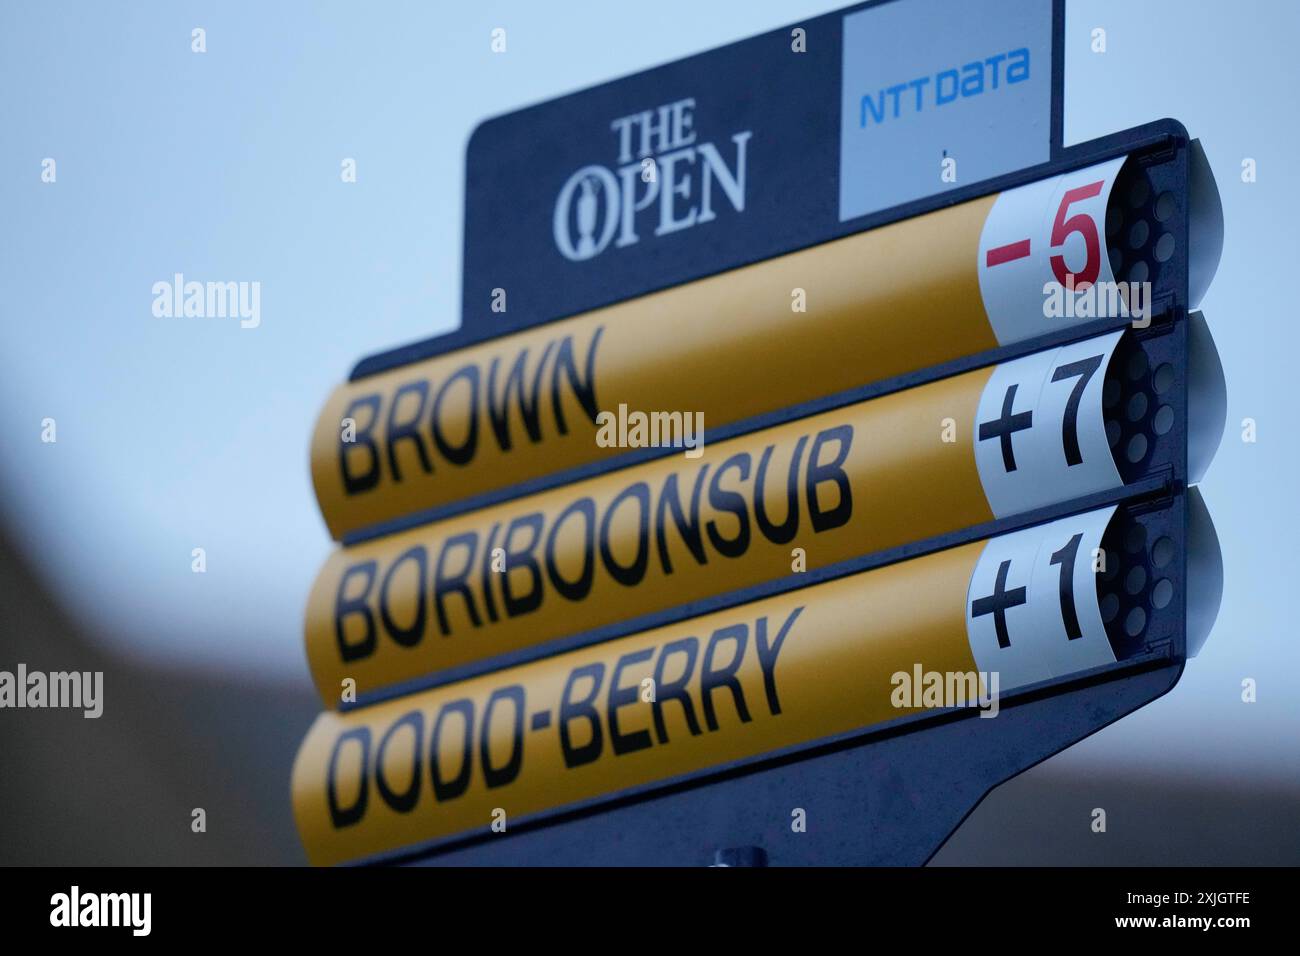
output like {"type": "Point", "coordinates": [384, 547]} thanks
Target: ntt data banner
{"type": "Point", "coordinates": [752, 150]}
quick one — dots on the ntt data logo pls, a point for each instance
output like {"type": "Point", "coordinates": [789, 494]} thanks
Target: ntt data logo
{"type": "Point", "coordinates": [664, 181]}
{"type": "Point", "coordinates": [970, 79]}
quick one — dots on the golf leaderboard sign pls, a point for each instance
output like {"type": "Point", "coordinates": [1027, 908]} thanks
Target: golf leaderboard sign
{"type": "Point", "coordinates": [817, 451]}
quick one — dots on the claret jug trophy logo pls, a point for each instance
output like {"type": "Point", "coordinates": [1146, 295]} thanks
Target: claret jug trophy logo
{"type": "Point", "coordinates": [664, 179]}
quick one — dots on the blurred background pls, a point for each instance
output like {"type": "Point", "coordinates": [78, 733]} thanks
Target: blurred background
{"type": "Point", "coordinates": [181, 434]}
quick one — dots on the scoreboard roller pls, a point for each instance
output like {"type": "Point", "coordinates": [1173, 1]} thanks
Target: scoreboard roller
{"type": "Point", "coordinates": [448, 598]}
